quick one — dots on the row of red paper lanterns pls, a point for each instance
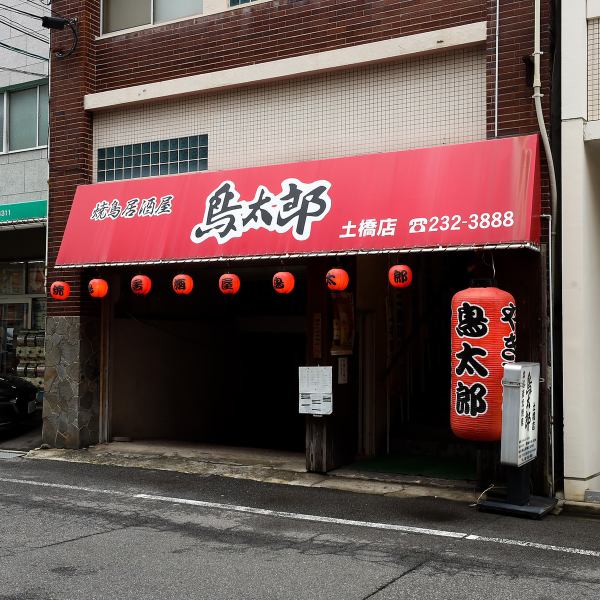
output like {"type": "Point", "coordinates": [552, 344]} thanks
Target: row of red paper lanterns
{"type": "Point", "coordinates": [337, 280]}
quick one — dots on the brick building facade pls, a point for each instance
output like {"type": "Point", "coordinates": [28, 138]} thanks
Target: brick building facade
{"type": "Point", "coordinates": [312, 67]}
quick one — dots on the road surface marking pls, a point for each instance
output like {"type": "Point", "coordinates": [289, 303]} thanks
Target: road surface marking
{"type": "Point", "coordinates": [459, 535]}
{"type": "Point", "coordinates": [304, 517]}
{"type": "Point", "coordinates": [525, 544]}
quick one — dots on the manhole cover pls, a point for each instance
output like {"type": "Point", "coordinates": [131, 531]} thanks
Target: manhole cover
{"type": "Point", "coordinates": [11, 454]}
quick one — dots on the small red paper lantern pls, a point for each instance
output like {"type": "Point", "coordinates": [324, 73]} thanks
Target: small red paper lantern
{"type": "Point", "coordinates": [229, 283]}
{"type": "Point", "coordinates": [483, 339]}
{"type": "Point", "coordinates": [283, 282]}
{"type": "Point", "coordinates": [337, 280]}
{"type": "Point", "coordinates": [141, 285]}
{"type": "Point", "coordinates": [400, 276]}
{"type": "Point", "coordinates": [60, 290]}
{"type": "Point", "coordinates": [183, 284]}
{"type": "Point", "coordinates": [98, 288]}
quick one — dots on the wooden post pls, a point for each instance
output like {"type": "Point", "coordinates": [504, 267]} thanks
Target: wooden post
{"type": "Point", "coordinates": [330, 440]}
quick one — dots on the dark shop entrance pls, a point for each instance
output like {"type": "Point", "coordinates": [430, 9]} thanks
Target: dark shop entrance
{"type": "Point", "coordinates": [209, 368]}
{"type": "Point", "coordinates": [223, 370]}
{"type": "Point", "coordinates": [404, 352]}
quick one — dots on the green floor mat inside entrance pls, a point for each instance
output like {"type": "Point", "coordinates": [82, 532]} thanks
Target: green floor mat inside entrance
{"type": "Point", "coordinates": [425, 466]}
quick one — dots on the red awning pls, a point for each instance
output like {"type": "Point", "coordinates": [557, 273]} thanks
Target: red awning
{"type": "Point", "coordinates": [481, 194]}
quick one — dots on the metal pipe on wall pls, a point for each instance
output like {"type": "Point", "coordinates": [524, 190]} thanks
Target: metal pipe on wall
{"type": "Point", "coordinates": [537, 98]}
{"type": "Point", "coordinates": [496, 74]}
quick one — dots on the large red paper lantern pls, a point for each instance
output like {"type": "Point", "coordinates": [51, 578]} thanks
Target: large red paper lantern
{"type": "Point", "coordinates": [229, 283]}
{"type": "Point", "coordinates": [183, 284]}
{"type": "Point", "coordinates": [141, 285]}
{"type": "Point", "coordinates": [483, 339]}
{"type": "Point", "coordinates": [60, 290]}
{"type": "Point", "coordinates": [337, 280]}
{"type": "Point", "coordinates": [98, 288]}
{"type": "Point", "coordinates": [400, 276]}
{"type": "Point", "coordinates": [283, 282]}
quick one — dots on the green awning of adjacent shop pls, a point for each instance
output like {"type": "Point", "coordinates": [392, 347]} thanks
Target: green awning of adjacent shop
{"type": "Point", "coordinates": [19, 212]}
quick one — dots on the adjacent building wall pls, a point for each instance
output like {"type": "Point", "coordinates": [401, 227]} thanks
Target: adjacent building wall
{"type": "Point", "coordinates": [23, 174]}
{"type": "Point", "coordinates": [581, 252]}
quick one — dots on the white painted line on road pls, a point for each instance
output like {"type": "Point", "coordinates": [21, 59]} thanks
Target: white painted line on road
{"type": "Point", "coordinates": [304, 517]}
{"type": "Point", "coordinates": [524, 544]}
{"type": "Point", "coordinates": [63, 486]}
{"type": "Point", "coordinates": [313, 518]}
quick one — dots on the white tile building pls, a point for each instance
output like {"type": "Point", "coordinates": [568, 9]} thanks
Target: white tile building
{"type": "Point", "coordinates": [581, 246]}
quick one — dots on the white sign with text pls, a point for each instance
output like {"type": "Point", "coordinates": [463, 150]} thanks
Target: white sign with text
{"type": "Point", "coordinates": [315, 390]}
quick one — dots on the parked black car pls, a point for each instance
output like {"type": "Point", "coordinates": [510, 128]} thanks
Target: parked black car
{"type": "Point", "coordinates": [18, 401]}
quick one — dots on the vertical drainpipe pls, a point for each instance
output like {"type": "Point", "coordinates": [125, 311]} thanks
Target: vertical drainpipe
{"type": "Point", "coordinates": [496, 73]}
{"type": "Point", "coordinates": [48, 165]}
{"type": "Point", "coordinates": [537, 98]}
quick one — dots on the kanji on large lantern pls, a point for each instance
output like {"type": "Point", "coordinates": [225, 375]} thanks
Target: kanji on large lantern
{"type": "Point", "coordinates": [400, 276]}
{"type": "Point", "coordinates": [60, 290]}
{"type": "Point", "coordinates": [337, 280]}
{"type": "Point", "coordinates": [183, 284]}
{"type": "Point", "coordinates": [98, 288]}
{"type": "Point", "coordinates": [141, 285]}
{"type": "Point", "coordinates": [229, 283]}
{"type": "Point", "coordinates": [483, 339]}
{"type": "Point", "coordinates": [283, 282]}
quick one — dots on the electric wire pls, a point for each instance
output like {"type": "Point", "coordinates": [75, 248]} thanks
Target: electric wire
{"type": "Point", "coordinates": [40, 5]}
{"type": "Point", "coordinates": [24, 30]}
{"type": "Point", "coordinates": [28, 14]}
{"type": "Point", "coordinates": [18, 11]}
{"type": "Point", "coordinates": [69, 22]}
{"type": "Point", "coordinates": [45, 7]}
{"type": "Point", "coordinates": [21, 51]}
{"type": "Point", "coordinates": [12, 70]}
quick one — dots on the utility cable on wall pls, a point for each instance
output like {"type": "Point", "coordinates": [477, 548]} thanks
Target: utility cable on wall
{"type": "Point", "coordinates": [23, 72]}
{"type": "Point", "coordinates": [51, 22]}
{"type": "Point", "coordinates": [24, 30]}
{"type": "Point", "coordinates": [46, 6]}
{"type": "Point", "coordinates": [21, 51]}
{"type": "Point", "coordinates": [41, 5]}
{"type": "Point", "coordinates": [19, 11]}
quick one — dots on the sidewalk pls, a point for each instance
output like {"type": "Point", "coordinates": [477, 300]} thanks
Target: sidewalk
{"type": "Point", "coordinates": [259, 465]}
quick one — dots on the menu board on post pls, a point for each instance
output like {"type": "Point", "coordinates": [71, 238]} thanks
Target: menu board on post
{"type": "Point", "coordinates": [520, 413]}
{"type": "Point", "coordinates": [315, 390]}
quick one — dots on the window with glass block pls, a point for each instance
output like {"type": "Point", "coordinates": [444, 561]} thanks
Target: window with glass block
{"type": "Point", "coordinates": [150, 159]}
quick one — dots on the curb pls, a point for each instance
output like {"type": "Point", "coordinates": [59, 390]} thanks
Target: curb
{"type": "Point", "coordinates": [589, 509]}
{"type": "Point", "coordinates": [265, 474]}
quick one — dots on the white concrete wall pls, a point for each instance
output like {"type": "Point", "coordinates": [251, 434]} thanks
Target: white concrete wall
{"type": "Point", "coordinates": [580, 264]}
{"type": "Point", "coordinates": [423, 101]}
{"type": "Point", "coordinates": [23, 175]}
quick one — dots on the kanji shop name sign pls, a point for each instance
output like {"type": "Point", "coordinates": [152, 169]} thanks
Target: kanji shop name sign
{"type": "Point", "coordinates": [471, 194]}
{"type": "Point", "coordinates": [294, 210]}
{"type": "Point", "coordinates": [132, 208]}
{"type": "Point", "coordinates": [520, 413]}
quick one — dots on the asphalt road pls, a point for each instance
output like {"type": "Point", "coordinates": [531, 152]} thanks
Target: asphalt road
{"type": "Point", "coordinates": [76, 531]}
